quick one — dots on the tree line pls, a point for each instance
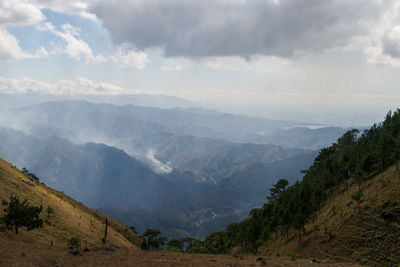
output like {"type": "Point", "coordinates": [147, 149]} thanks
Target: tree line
{"type": "Point", "coordinates": [356, 156]}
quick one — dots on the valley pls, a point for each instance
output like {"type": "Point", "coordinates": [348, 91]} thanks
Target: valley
{"type": "Point", "coordinates": [130, 160]}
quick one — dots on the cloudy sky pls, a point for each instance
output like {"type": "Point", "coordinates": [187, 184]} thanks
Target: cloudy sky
{"type": "Point", "coordinates": [335, 61]}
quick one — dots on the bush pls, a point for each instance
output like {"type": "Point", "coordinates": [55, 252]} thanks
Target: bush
{"type": "Point", "coordinates": [50, 211]}
{"type": "Point", "coordinates": [173, 249]}
{"type": "Point", "coordinates": [292, 254]}
{"type": "Point", "coordinates": [330, 235]}
{"type": "Point", "coordinates": [74, 242]}
{"type": "Point", "coordinates": [357, 196]}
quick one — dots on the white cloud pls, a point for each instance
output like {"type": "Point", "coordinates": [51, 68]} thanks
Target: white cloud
{"type": "Point", "coordinates": [17, 13]}
{"type": "Point", "coordinates": [70, 87]}
{"type": "Point", "coordinates": [382, 47]}
{"type": "Point", "coordinates": [71, 7]}
{"type": "Point", "coordinates": [376, 56]}
{"type": "Point", "coordinates": [14, 12]}
{"type": "Point", "coordinates": [130, 58]}
{"type": "Point", "coordinates": [74, 47]}
{"type": "Point", "coordinates": [10, 49]}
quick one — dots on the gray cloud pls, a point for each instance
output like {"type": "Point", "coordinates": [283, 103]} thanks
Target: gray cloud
{"type": "Point", "coordinates": [237, 27]}
{"type": "Point", "coordinates": [391, 43]}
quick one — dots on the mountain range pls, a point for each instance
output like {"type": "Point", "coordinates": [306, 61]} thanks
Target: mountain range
{"type": "Point", "coordinates": [182, 170]}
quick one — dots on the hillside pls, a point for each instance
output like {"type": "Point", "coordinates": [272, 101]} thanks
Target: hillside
{"type": "Point", "coordinates": [94, 174]}
{"type": "Point", "coordinates": [347, 230]}
{"type": "Point", "coordinates": [110, 180]}
{"type": "Point", "coordinates": [346, 207]}
{"type": "Point", "coordinates": [48, 246]}
{"type": "Point", "coordinates": [69, 217]}
{"type": "Point", "coordinates": [212, 160]}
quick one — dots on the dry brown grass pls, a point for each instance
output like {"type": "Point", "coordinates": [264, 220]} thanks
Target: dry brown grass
{"type": "Point", "coordinates": [347, 231]}
{"type": "Point", "coordinates": [27, 255]}
{"type": "Point", "coordinates": [71, 218]}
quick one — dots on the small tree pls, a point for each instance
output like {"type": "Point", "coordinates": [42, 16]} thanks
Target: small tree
{"type": "Point", "coordinates": [19, 214]}
{"type": "Point", "coordinates": [159, 242]}
{"type": "Point", "coordinates": [176, 244]}
{"type": "Point", "coordinates": [149, 237]}
{"type": "Point", "coordinates": [277, 189]}
{"type": "Point", "coordinates": [133, 229]}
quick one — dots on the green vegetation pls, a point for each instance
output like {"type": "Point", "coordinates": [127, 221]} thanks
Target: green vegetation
{"type": "Point", "coordinates": [353, 158]}
{"type": "Point", "coordinates": [20, 214]}
{"type": "Point", "coordinates": [30, 174]}
{"type": "Point", "coordinates": [74, 242]}
{"type": "Point", "coordinates": [151, 239]}
{"type": "Point", "coordinates": [133, 229]}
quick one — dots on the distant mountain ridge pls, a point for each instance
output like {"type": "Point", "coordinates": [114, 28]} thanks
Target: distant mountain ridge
{"type": "Point", "coordinates": [211, 159]}
{"type": "Point", "coordinates": [206, 177]}
{"type": "Point", "coordinates": [300, 137]}
{"type": "Point", "coordinates": [17, 100]}
{"type": "Point", "coordinates": [195, 122]}
{"type": "Point", "coordinates": [109, 179]}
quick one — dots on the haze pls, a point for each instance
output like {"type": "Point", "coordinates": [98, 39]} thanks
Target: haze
{"type": "Point", "coordinates": [332, 62]}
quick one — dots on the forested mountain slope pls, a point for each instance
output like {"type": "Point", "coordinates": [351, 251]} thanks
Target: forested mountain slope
{"type": "Point", "coordinates": [212, 160]}
{"type": "Point", "coordinates": [95, 174]}
{"type": "Point", "coordinates": [49, 246]}
{"type": "Point", "coordinates": [349, 179]}
{"type": "Point", "coordinates": [107, 178]}
{"type": "Point", "coordinates": [352, 227]}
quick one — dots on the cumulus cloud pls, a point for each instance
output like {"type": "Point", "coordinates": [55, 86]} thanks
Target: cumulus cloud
{"type": "Point", "coordinates": [10, 49]}
{"type": "Point", "coordinates": [384, 42]}
{"type": "Point", "coordinates": [14, 12]}
{"type": "Point", "coordinates": [130, 58]}
{"type": "Point", "coordinates": [73, 46]}
{"type": "Point", "coordinates": [63, 87]}
{"type": "Point", "coordinates": [242, 28]}
{"type": "Point", "coordinates": [17, 13]}
{"type": "Point", "coordinates": [72, 7]}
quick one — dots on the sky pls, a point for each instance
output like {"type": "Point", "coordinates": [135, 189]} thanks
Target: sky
{"type": "Point", "coordinates": [331, 61]}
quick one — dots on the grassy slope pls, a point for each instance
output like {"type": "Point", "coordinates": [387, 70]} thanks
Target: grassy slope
{"type": "Point", "coordinates": [70, 218]}
{"type": "Point", "coordinates": [347, 231]}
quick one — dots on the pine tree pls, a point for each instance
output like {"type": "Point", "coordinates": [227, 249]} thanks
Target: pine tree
{"type": "Point", "coordinates": [20, 214]}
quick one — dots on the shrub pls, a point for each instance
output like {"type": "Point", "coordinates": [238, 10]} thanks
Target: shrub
{"type": "Point", "coordinates": [74, 242]}
{"type": "Point", "coordinates": [50, 211]}
{"type": "Point", "coordinates": [357, 196]}
{"type": "Point", "coordinates": [292, 254]}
